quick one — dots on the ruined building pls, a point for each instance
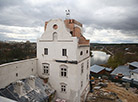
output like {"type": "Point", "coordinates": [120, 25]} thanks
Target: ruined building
{"type": "Point", "coordinates": [63, 61]}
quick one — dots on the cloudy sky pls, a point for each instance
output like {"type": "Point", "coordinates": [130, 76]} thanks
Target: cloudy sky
{"type": "Point", "coordinates": [104, 21]}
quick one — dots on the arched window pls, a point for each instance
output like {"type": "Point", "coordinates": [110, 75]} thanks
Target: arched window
{"type": "Point", "coordinates": [63, 72]}
{"type": "Point", "coordinates": [55, 36]}
{"type": "Point", "coordinates": [81, 53]}
{"type": "Point", "coordinates": [63, 87]}
{"type": "Point", "coordinates": [46, 68]}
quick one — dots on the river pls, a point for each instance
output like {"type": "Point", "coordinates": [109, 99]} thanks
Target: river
{"type": "Point", "coordinates": [99, 57]}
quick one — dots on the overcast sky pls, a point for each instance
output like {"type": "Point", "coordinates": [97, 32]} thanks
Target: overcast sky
{"type": "Point", "coordinates": [104, 21]}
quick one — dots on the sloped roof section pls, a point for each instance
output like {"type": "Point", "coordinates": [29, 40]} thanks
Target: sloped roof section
{"type": "Point", "coordinates": [135, 71]}
{"type": "Point", "coordinates": [135, 64]}
{"type": "Point", "coordinates": [96, 68]}
{"type": "Point", "coordinates": [75, 30]}
{"type": "Point", "coordinates": [108, 69]}
{"type": "Point", "coordinates": [40, 93]}
{"type": "Point", "coordinates": [121, 70]}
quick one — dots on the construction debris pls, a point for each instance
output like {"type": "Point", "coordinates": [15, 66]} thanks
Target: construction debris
{"type": "Point", "coordinates": [102, 96]}
{"type": "Point", "coordinates": [107, 91]}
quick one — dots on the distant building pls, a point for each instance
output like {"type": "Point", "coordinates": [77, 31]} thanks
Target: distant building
{"type": "Point", "coordinates": [124, 70]}
{"type": "Point", "coordinates": [97, 70]}
{"type": "Point", "coordinates": [129, 72]}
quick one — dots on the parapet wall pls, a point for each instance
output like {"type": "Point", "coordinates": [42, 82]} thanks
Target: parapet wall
{"type": "Point", "coordinates": [11, 72]}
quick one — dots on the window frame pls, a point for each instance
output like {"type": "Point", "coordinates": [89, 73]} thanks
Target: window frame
{"type": "Point", "coordinates": [45, 68]}
{"type": "Point", "coordinates": [63, 71]}
{"type": "Point", "coordinates": [45, 51]}
{"type": "Point", "coordinates": [82, 68]}
{"type": "Point", "coordinates": [81, 53]}
{"type": "Point", "coordinates": [87, 64]}
{"type": "Point", "coordinates": [64, 52]}
{"type": "Point", "coordinates": [87, 51]}
{"type": "Point", "coordinates": [81, 84]}
{"type": "Point", "coordinates": [63, 87]}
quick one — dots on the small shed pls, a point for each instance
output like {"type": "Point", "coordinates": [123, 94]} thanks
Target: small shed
{"type": "Point", "coordinates": [97, 70]}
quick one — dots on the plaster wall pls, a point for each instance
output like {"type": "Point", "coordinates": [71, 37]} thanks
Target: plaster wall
{"type": "Point", "coordinates": [11, 72]}
{"type": "Point", "coordinates": [84, 50]}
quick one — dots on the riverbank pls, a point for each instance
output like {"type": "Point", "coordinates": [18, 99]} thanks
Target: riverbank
{"type": "Point", "coordinates": [120, 53]}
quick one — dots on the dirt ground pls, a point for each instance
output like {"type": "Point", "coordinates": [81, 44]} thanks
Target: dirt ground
{"type": "Point", "coordinates": [123, 94]}
{"type": "Point", "coordinates": [114, 92]}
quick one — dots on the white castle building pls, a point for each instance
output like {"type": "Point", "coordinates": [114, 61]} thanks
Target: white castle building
{"type": "Point", "coordinates": [63, 58]}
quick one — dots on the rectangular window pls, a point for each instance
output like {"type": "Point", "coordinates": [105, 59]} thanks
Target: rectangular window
{"type": "Point", "coordinates": [46, 51]}
{"type": "Point", "coordinates": [87, 77]}
{"type": "Point", "coordinates": [82, 66]}
{"type": "Point", "coordinates": [46, 68]}
{"type": "Point", "coordinates": [81, 83]}
{"type": "Point", "coordinates": [87, 64]}
{"type": "Point", "coordinates": [64, 52]}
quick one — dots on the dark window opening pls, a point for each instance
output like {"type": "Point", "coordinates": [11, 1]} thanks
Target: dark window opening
{"type": "Point", "coordinates": [55, 26]}
{"type": "Point", "coordinates": [81, 53]}
{"type": "Point", "coordinates": [64, 52]}
{"type": "Point", "coordinates": [46, 51]}
{"type": "Point", "coordinates": [81, 83]}
{"type": "Point", "coordinates": [71, 32]}
{"type": "Point", "coordinates": [82, 66]}
{"type": "Point", "coordinates": [16, 74]}
{"type": "Point", "coordinates": [86, 51]}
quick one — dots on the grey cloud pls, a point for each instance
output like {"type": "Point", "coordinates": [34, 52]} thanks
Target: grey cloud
{"type": "Point", "coordinates": [99, 14]}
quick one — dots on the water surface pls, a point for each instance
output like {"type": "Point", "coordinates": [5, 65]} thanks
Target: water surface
{"type": "Point", "coordinates": [99, 57]}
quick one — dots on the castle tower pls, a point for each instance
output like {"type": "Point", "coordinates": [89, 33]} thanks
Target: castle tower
{"type": "Point", "coordinates": [63, 58]}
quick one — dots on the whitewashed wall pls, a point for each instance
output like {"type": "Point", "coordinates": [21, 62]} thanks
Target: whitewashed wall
{"type": "Point", "coordinates": [9, 71]}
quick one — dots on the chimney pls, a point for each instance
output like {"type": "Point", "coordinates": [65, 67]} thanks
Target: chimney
{"type": "Point", "coordinates": [31, 81]}
{"type": "Point", "coordinates": [19, 87]}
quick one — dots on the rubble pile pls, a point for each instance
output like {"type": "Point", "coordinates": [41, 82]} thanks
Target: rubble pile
{"type": "Point", "coordinates": [103, 90]}
{"type": "Point", "coordinates": [99, 94]}
{"type": "Point", "coordinates": [102, 96]}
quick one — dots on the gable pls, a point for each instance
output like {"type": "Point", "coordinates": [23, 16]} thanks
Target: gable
{"type": "Point", "coordinates": [55, 30]}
